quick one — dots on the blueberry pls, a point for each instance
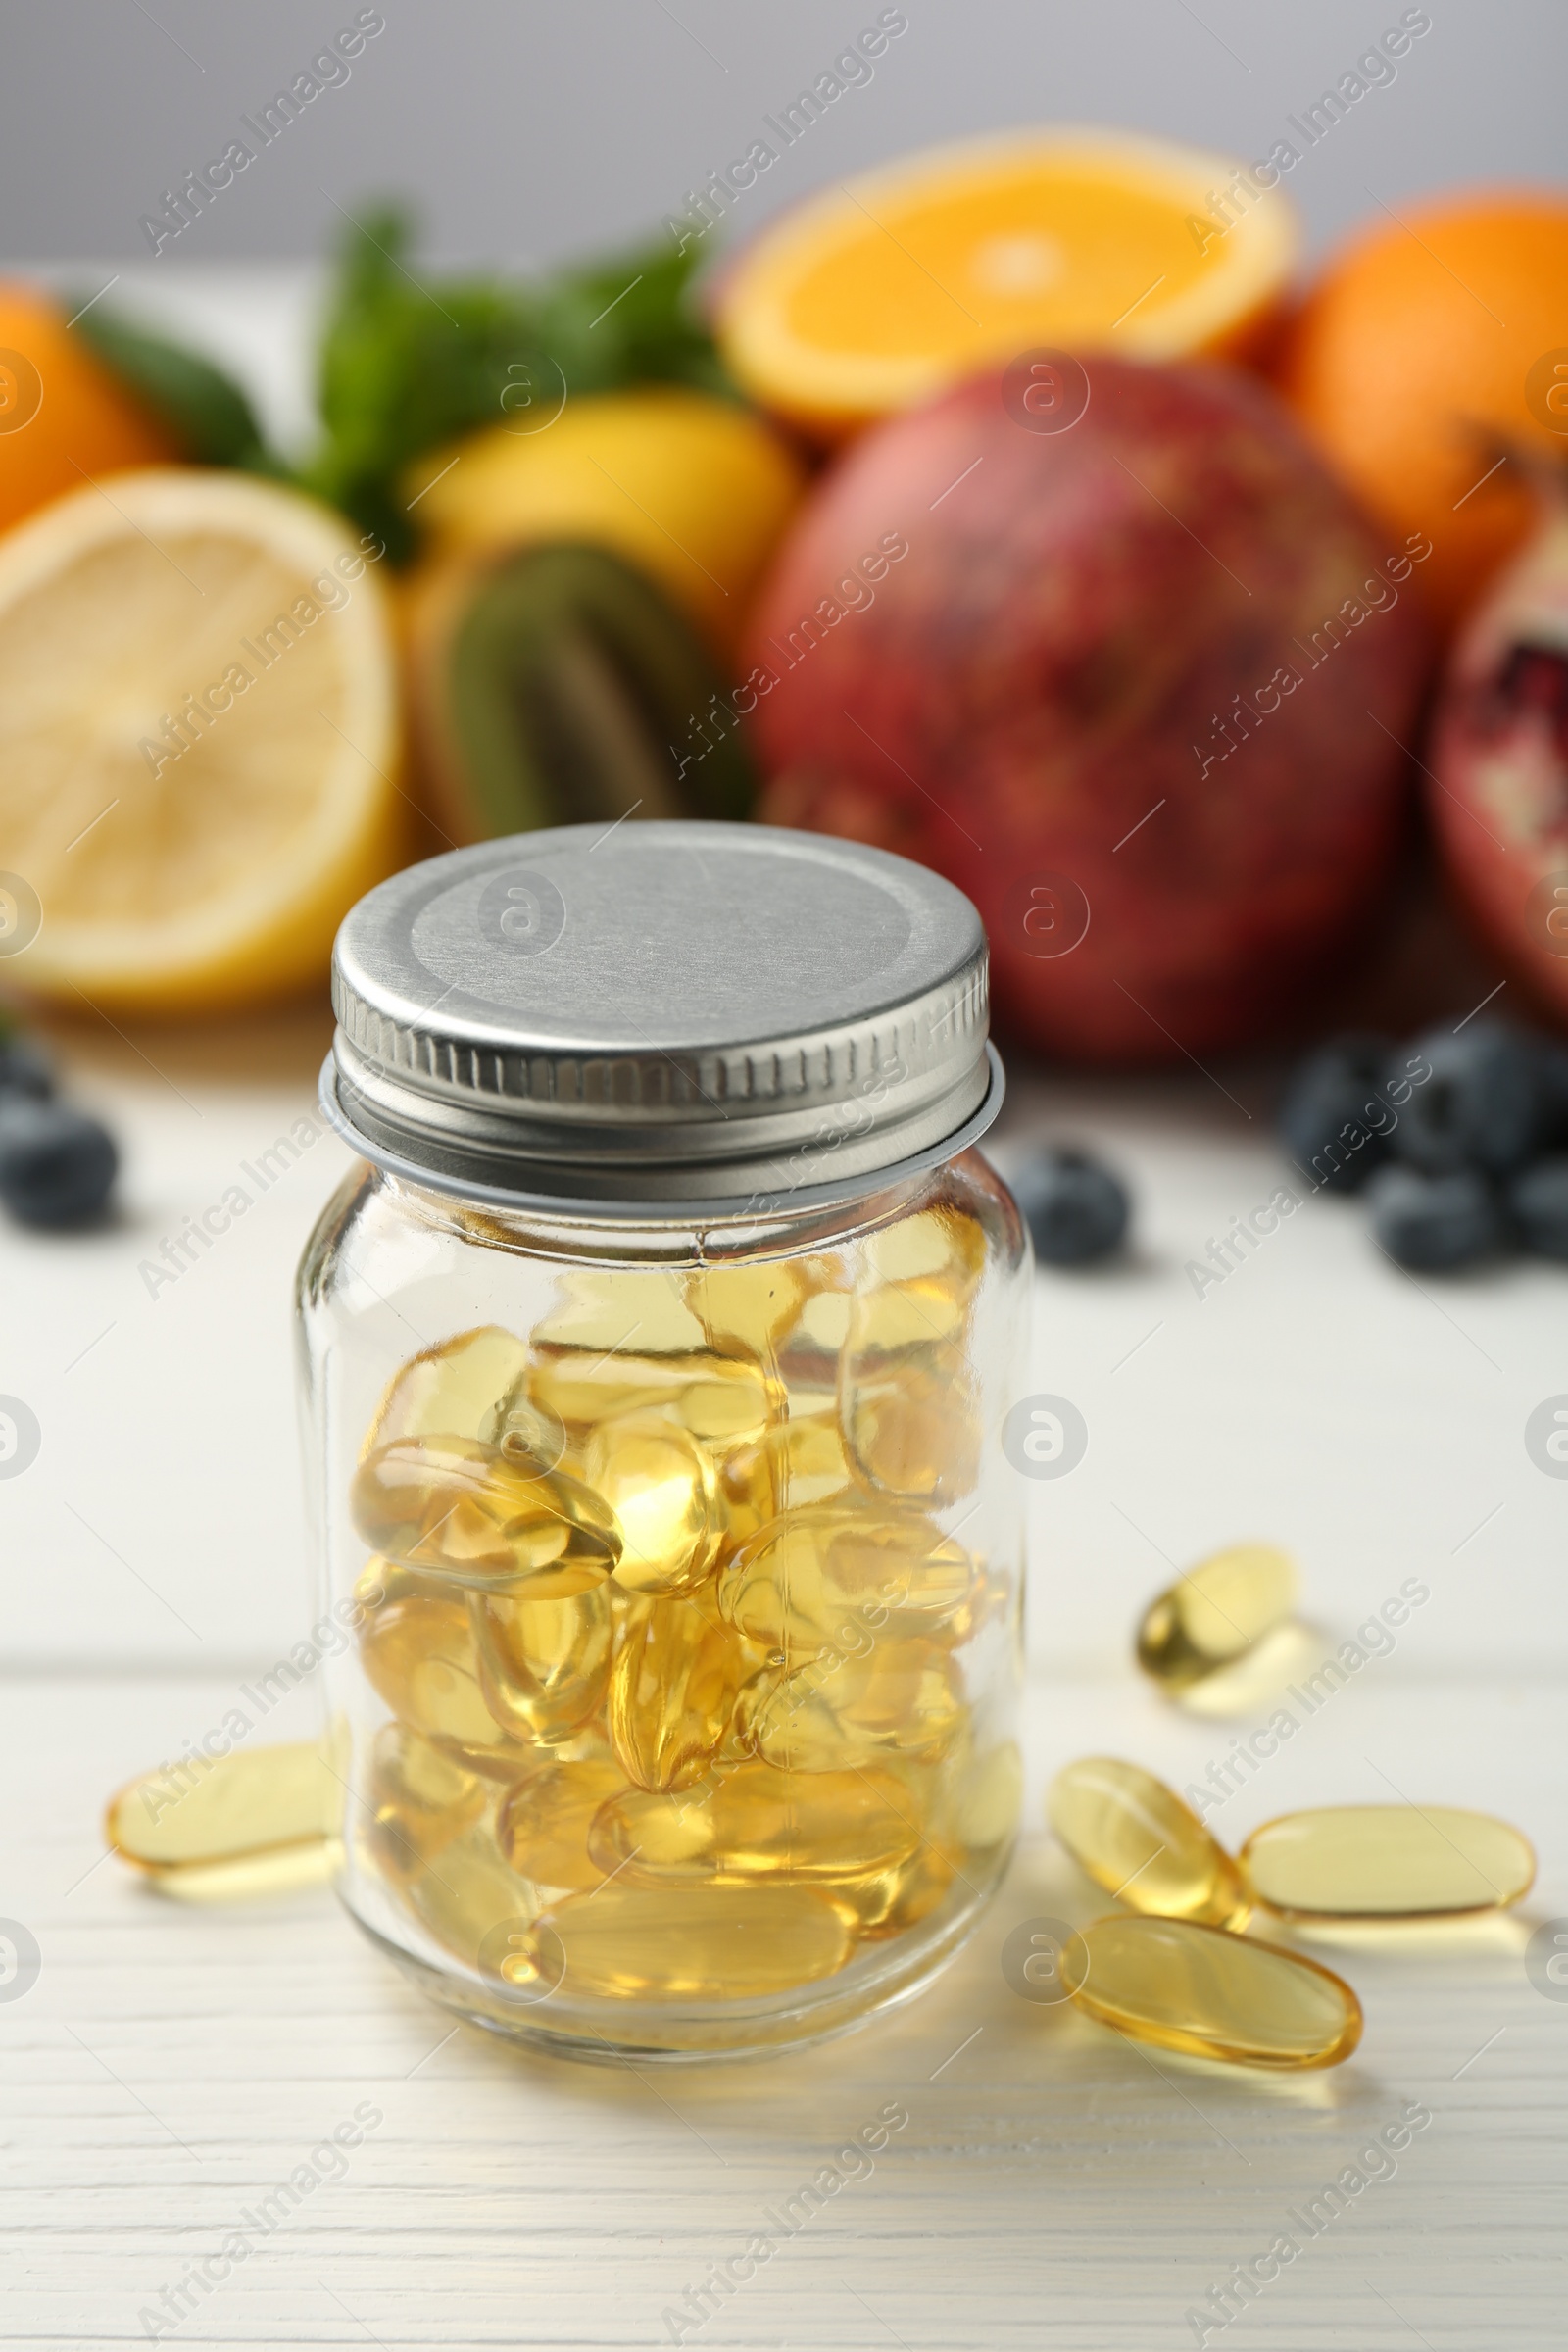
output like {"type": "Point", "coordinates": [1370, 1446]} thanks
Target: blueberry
{"type": "Point", "coordinates": [25, 1070]}
{"type": "Point", "coordinates": [56, 1165]}
{"type": "Point", "coordinates": [1075, 1210]}
{"type": "Point", "coordinates": [1494, 1095]}
{"type": "Point", "coordinates": [1332, 1118]}
{"type": "Point", "coordinates": [1432, 1222]}
{"type": "Point", "coordinates": [1538, 1202]}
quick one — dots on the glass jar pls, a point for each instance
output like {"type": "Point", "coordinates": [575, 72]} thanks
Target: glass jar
{"type": "Point", "coordinates": [655, 1370]}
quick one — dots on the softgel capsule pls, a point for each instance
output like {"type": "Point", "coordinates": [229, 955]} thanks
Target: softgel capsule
{"type": "Point", "coordinates": [1387, 1862]}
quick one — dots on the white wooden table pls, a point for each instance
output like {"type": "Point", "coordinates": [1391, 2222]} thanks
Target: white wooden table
{"type": "Point", "coordinates": [170, 2069]}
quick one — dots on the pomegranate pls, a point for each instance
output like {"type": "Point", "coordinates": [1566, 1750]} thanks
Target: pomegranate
{"type": "Point", "coordinates": [1500, 759]}
{"type": "Point", "coordinates": [1112, 651]}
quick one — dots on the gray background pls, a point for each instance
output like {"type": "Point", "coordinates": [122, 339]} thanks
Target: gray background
{"type": "Point", "coordinates": [529, 131]}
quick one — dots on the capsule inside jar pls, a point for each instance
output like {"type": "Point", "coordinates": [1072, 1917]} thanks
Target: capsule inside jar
{"type": "Point", "coordinates": [755, 1692]}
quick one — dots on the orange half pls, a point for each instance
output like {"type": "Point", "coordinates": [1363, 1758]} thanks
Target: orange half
{"type": "Point", "coordinates": [879, 293]}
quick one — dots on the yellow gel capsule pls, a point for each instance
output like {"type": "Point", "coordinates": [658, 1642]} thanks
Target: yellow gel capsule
{"type": "Point", "coordinates": [544, 1820]}
{"type": "Point", "coordinates": [799, 1463]}
{"type": "Point", "coordinates": [688, 1943]}
{"type": "Point", "coordinates": [807, 1354]}
{"type": "Point", "coordinates": [460, 1508]}
{"type": "Point", "coordinates": [420, 1655]}
{"type": "Point", "coordinates": [626, 1343]}
{"type": "Point", "coordinates": [1214, 1612]}
{"type": "Point", "coordinates": [1183, 1986]}
{"type": "Point", "coordinates": [905, 1401]}
{"type": "Point", "coordinates": [901, 1897]}
{"type": "Point", "coordinates": [944, 1243]}
{"type": "Point", "coordinates": [1387, 1862]}
{"type": "Point", "coordinates": [529, 1435]}
{"type": "Point", "coordinates": [240, 1809]}
{"type": "Point", "coordinates": [381, 1580]}
{"type": "Point", "coordinates": [831, 1574]}
{"type": "Point", "coordinates": [617, 1309]}
{"type": "Point", "coordinates": [713, 1396]}
{"type": "Point", "coordinates": [994, 1597]}
{"type": "Point", "coordinates": [748, 1304]}
{"type": "Point", "coordinates": [659, 1483]}
{"type": "Point", "coordinates": [674, 1678]}
{"type": "Point", "coordinates": [543, 1665]}
{"type": "Point", "coordinates": [471, 1901]}
{"type": "Point", "coordinates": [421, 1797]}
{"type": "Point", "coordinates": [810, 1465]}
{"type": "Point", "coordinates": [746, 1491]}
{"type": "Point", "coordinates": [754, 1822]}
{"type": "Point", "coordinates": [726, 1403]}
{"type": "Point", "coordinates": [1136, 1838]}
{"type": "Point", "coordinates": [453, 1389]}
{"type": "Point", "coordinates": [981, 1807]}
{"type": "Point", "coordinates": [893, 1697]}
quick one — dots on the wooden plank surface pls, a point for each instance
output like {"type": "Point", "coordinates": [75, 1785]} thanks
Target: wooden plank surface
{"type": "Point", "coordinates": [172, 2067]}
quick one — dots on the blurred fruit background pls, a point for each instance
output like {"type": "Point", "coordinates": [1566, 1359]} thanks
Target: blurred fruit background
{"type": "Point", "coordinates": [1162, 533]}
{"type": "Point", "coordinates": [1047, 505]}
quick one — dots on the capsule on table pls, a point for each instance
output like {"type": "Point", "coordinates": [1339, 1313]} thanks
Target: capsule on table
{"type": "Point", "coordinates": [456, 1507]}
{"type": "Point", "coordinates": [659, 1483]}
{"type": "Point", "coordinates": [687, 1943]}
{"type": "Point", "coordinates": [1184, 1987]}
{"type": "Point", "coordinates": [753, 1822]}
{"type": "Point", "coordinates": [1387, 1862]}
{"type": "Point", "coordinates": [675, 1675]}
{"type": "Point", "coordinates": [541, 1665]}
{"type": "Point", "coordinates": [901, 1697]}
{"type": "Point", "coordinates": [1136, 1838]}
{"type": "Point", "coordinates": [827, 1574]}
{"type": "Point", "coordinates": [420, 1655]}
{"type": "Point", "coordinates": [419, 1796]}
{"type": "Point", "coordinates": [261, 1818]}
{"type": "Point", "coordinates": [1215, 1612]}
{"type": "Point", "coordinates": [453, 1389]}
{"type": "Point", "coordinates": [472, 1902]}
{"type": "Point", "coordinates": [545, 1818]}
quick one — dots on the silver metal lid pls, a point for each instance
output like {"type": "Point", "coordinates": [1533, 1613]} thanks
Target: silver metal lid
{"type": "Point", "coordinates": [668, 1017]}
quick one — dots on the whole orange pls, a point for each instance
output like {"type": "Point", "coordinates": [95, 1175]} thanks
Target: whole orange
{"type": "Point", "coordinates": [63, 417]}
{"type": "Point", "coordinates": [1431, 347]}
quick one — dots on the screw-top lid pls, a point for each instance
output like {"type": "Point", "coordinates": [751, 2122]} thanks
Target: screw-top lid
{"type": "Point", "coordinates": [662, 1018]}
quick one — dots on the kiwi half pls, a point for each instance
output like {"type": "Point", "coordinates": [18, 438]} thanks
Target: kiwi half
{"type": "Point", "coordinates": [560, 687]}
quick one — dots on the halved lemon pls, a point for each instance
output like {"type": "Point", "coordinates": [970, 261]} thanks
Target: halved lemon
{"type": "Point", "coordinates": [198, 741]}
{"type": "Point", "coordinates": [878, 293]}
